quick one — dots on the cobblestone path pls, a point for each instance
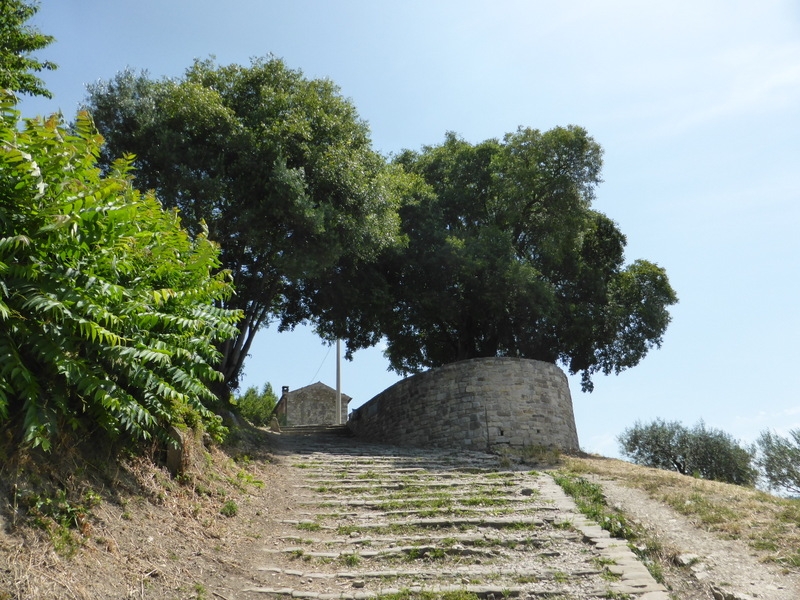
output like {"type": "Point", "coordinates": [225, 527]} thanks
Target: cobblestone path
{"type": "Point", "coordinates": [372, 521]}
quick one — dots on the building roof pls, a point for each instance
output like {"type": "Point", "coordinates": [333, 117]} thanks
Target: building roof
{"type": "Point", "coordinates": [317, 386]}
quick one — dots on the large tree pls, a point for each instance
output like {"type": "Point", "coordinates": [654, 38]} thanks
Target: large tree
{"type": "Point", "coordinates": [506, 257]}
{"type": "Point", "coordinates": [278, 167]}
{"type": "Point", "coordinates": [18, 41]}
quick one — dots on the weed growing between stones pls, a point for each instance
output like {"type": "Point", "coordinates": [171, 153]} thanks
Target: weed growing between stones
{"type": "Point", "coordinates": [350, 560]}
{"type": "Point", "coordinates": [347, 530]}
{"type": "Point", "coordinates": [591, 502]}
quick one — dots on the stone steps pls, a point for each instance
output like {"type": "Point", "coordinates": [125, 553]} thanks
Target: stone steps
{"type": "Point", "coordinates": [375, 530]}
{"type": "Point", "coordinates": [340, 430]}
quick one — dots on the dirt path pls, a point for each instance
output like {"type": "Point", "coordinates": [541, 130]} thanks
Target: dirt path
{"type": "Point", "coordinates": [728, 569]}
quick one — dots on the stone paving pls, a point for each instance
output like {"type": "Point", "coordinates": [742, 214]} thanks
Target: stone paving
{"type": "Point", "coordinates": [375, 521]}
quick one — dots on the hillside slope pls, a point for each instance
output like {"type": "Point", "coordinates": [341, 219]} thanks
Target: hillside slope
{"type": "Point", "coordinates": [128, 530]}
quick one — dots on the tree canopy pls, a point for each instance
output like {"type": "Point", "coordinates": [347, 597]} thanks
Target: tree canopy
{"type": "Point", "coordinates": [506, 257]}
{"type": "Point", "coordinates": [779, 459]}
{"type": "Point", "coordinates": [280, 169]}
{"type": "Point", "coordinates": [457, 251]}
{"type": "Point", "coordinates": [107, 316]}
{"type": "Point", "coordinates": [17, 42]}
{"type": "Point", "coordinates": [700, 451]}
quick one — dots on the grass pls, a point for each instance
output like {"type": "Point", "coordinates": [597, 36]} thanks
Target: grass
{"type": "Point", "coordinates": [591, 502]}
{"type": "Point", "coordinates": [229, 509]}
{"type": "Point", "coordinates": [408, 504]}
{"type": "Point", "coordinates": [769, 524]}
{"type": "Point", "coordinates": [347, 529]}
{"type": "Point", "coordinates": [350, 560]}
{"type": "Point", "coordinates": [426, 554]}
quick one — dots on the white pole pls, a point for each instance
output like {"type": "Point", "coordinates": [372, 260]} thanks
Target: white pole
{"type": "Point", "coordinates": [338, 382]}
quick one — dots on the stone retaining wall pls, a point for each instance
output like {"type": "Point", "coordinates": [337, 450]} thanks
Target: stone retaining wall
{"type": "Point", "coordinates": [477, 404]}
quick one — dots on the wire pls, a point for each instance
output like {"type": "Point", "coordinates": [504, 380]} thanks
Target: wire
{"type": "Point", "coordinates": [320, 365]}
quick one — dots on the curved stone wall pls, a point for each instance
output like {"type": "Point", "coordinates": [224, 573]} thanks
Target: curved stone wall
{"type": "Point", "coordinates": [477, 404]}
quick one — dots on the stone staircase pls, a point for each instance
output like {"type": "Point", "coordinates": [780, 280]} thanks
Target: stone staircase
{"type": "Point", "coordinates": [340, 430]}
{"type": "Point", "coordinates": [374, 521]}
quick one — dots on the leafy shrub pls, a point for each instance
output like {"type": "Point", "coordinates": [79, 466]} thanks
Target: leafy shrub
{"type": "Point", "coordinates": [700, 451]}
{"type": "Point", "coordinates": [779, 459]}
{"type": "Point", "coordinates": [107, 306]}
{"type": "Point", "coordinates": [257, 406]}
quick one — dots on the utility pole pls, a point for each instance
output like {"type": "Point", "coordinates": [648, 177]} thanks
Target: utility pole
{"type": "Point", "coordinates": [338, 381]}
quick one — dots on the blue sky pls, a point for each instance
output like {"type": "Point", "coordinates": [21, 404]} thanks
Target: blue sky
{"type": "Point", "coordinates": [695, 102]}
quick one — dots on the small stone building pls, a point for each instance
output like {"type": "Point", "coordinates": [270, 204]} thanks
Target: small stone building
{"type": "Point", "coordinates": [313, 404]}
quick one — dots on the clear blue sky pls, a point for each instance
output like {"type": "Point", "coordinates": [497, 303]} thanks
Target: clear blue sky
{"type": "Point", "coordinates": [696, 103]}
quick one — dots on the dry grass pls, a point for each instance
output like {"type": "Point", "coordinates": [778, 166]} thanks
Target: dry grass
{"type": "Point", "coordinates": [769, 524]}
{"type": "Point", "coordinates": [88, 522]}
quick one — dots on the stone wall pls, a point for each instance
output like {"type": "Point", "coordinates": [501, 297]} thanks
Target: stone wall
{"type": "Point", "coordinates": [314, 404]}
{"type": "Point", "coordinates": [477, 404]}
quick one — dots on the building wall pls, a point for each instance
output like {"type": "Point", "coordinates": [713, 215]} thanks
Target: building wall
{"type": "Point", "coordinates": [477, 404]}
{"type": "Point", "coordinates": [311, 405]}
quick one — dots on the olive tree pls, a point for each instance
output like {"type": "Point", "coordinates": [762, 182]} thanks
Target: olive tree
{"type": "Point", "coordinates": [700, 451]}
{"type": "Point", "coordinates": [779, 459]}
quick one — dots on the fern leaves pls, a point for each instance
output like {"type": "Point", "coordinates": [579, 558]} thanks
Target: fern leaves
{"type": "Point", "coordinates": [107, 306]}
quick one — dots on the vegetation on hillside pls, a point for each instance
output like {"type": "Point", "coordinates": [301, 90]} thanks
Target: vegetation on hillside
{"type": "Point", "coordinates": [769, 524]}
{"type": "Point", "coordinates": [109, 308]}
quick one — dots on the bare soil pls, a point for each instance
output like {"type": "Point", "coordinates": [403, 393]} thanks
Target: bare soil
{"type": "Point", "coordinates": [127, 529]}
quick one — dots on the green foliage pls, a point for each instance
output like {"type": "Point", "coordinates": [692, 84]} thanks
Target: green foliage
{"type": "Point", "coordinates": [17, 42]}
{"type": "Point", "coordinates": [505, 257]}
{"type": "Point", "coordinates": [257, 406]}
{"type": "Point", "coordinates": [61, 509]}
{"type": "Point", "coordinates": [591, 501]}
{"type": "Point", "coordinates": [779, 460]}
{"type": "Point", "coordinates": [455, 252]}
{"type": "Point", "coordinates": [229, 509]}
{"type": "Point", "coordinates": [350, 560]}
{"type": "Point", "coordinates": [278, 166]}
{"type": "Point", "coordinates": [107, 306]}
{"type": "Point", "coordinates": [700, 451]}
{"type": "Point", "coordinates": [59, 514]}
